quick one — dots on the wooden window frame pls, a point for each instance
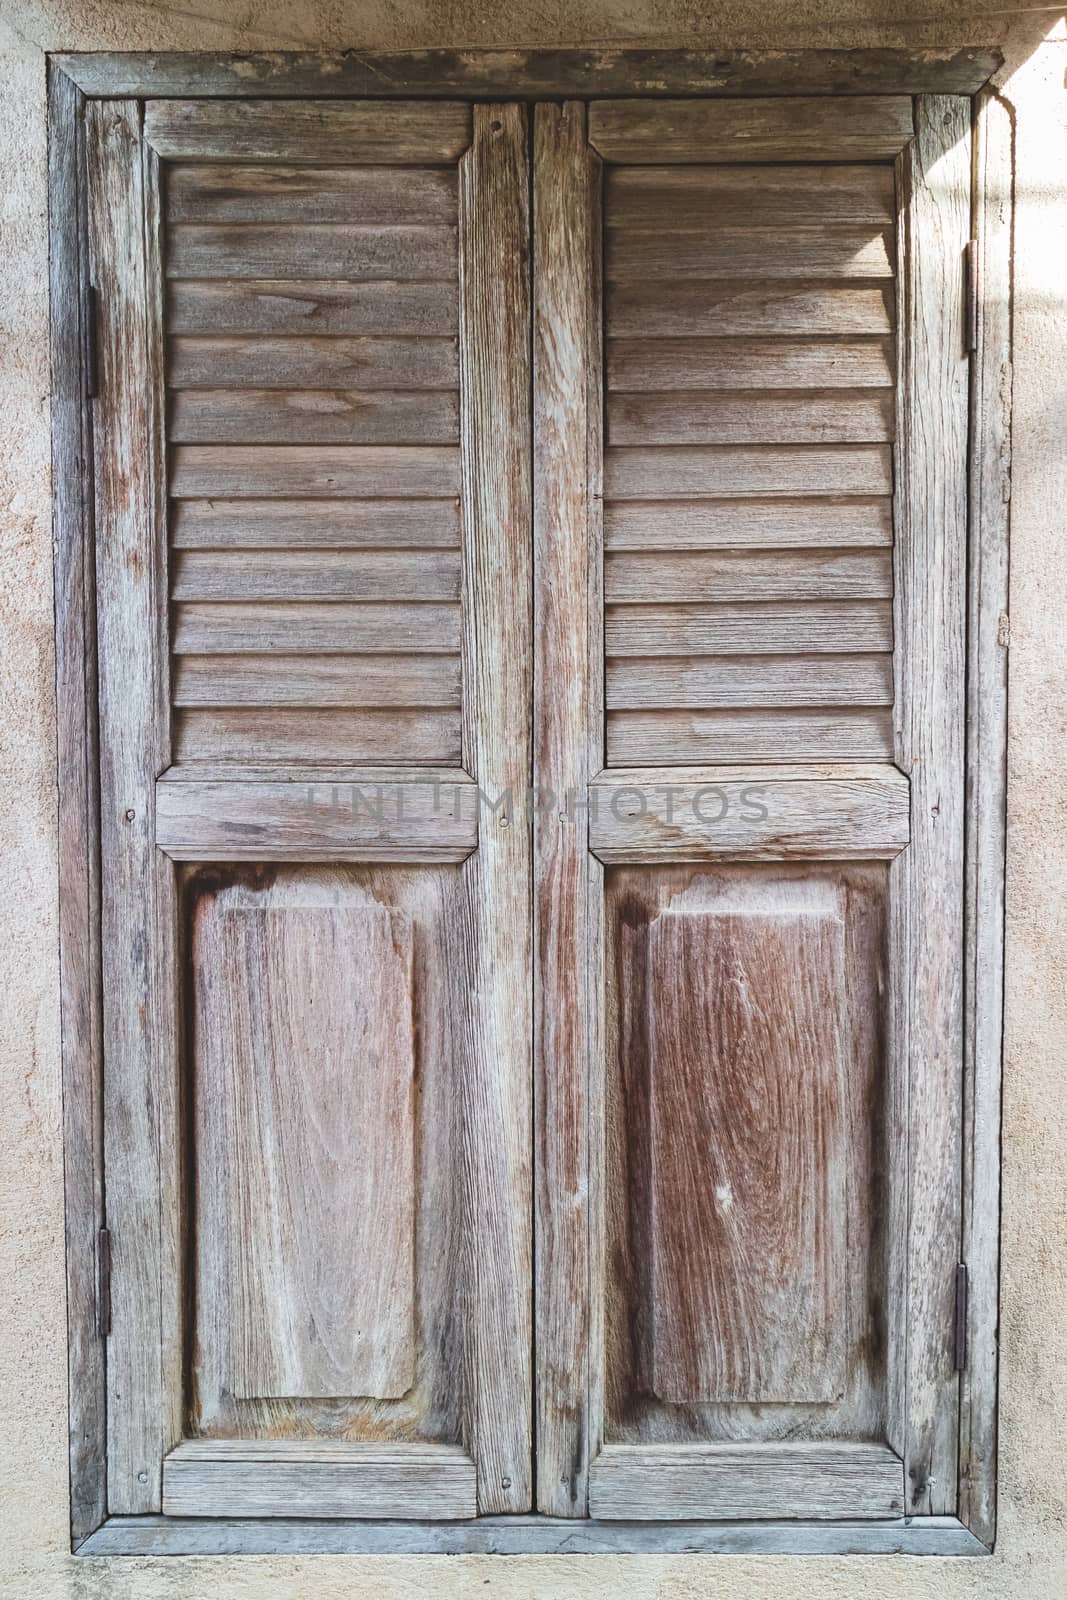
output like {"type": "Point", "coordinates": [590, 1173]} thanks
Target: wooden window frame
{"type": "Point", "coordinates": [531, 75]}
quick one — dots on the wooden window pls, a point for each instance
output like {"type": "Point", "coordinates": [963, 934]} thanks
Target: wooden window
{"type": "Point", "coordinates": [523, 712]}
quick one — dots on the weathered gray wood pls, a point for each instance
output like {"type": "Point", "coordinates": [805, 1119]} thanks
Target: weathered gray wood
{"type": "Point", "coordinates": [831, 813]}
{"type": "Point", "coordinates": [692, 417]}
{"type": "Point", "coordinates": [714, 251]}
{"type": "Point", "coordinates": [378, 196]}
{"type": "Point", "coordinates": [836, 1479]}
{"type": "Point", "coordinates": [316, 250]}
{"type": "Point", "coordinates": [743, 524]}
{"type": "Point", "coordinates": [292, 524]}
{"type": "Point", "coordinates": [363, 819]}
{"type": "Point", "coordinates": [233, 1479]}
{"type": "Point", "coordinates": [647, 738]}
{"type": "Point", "coordinates": [302, 1084]}
{"type": "Point", "coordinates": [779, 680]}
{"type": "Point", "coordinates": [669, 197]}
{"type": "Point", "coordinates": [759, 627]}
{"type": "Point", "coordinates": [713, 309]}
{"type": "Point", "coordinates": [335, 680]}
{"type": "Point", "coordinates": [683, 473]}
{"type": "Point", "coordinates": [642, 365]}
{"type": "Point", "coordinates": [316, 575]}
{"type": "Point", "coordinates": [652, 133]}
{"type": "Point", "coordinates": [219, 627]}
{"type": "Point", "coordinates": [138, 914]}
{"type": "Point", "coordinates": [990, 469]}
{"type": "Point", "coordinates": [926, 969]}
{"type": "Point", "coordinates": [311, 307]}
{"type": "Point", "coordinates": [533, 74]}
{"type": "Point", "coordinates": [366, 133]}
{"type": "Point", "coordinates": [79, 950]}
{"type": "Point", "coordinates": [568, 746]}
{"type": "Point", "coordinates": [319, 471]}
{"type": "Point", "coordinates": [695, 576]}
{"type": "Point", "coordinates": [314, 416]}
{"type": "Point", "coordinates": [244, 736]}
{"type": "Point", "coordinates": [312, 363]}
{"type": "Point", "coordinates": [496, 945]}
{"type": "Point", "coordinates": [913, 1536]}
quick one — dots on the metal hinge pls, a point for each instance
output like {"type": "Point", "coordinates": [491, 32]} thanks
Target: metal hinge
{"type": "Point", "coordinates": [961, 1317]}
{"type": "Point", "coordinates": [103, 1283]}
{"type": "Point", "coordinates": [970, 304]}
{"type": "Point", "coordinates": [92, 373]}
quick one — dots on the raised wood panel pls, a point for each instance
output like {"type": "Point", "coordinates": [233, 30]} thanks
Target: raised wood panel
{"type": "Point", "coordinates": [309, 132]}
{"type": "Point", "coordinates": [302, 1086]}
{"type": "Point", "coordinates": [378, 196]}
{"type": "Point", "coordinates": [747, 1057]}
{"type": "Point", "coordinates": [823, 128]}
{"type": "Point", "coordinates": [312, 307]}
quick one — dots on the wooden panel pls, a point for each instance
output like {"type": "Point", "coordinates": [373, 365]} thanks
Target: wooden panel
{"type": "Point", "coordinates": [658, 363]}
{"type": "Point", "coordinates": [750, 252]}
{"type": "Point", "coordinates": [786, 680]}
{"type": "Point", "coordinates": [312, 307]}
{"type": "Point", "coordinates": [753, 814]}
{"type": "Point", "coordinates": [314, 416]}
{"type": "Point", "coordinates": [652, 132]}
{"type": "Point", "coordinates": [395, 134]}
{"type": "Point", "coordinates": [850, 416]}
{"type": "Point", "coordinates": [220, 628]}
{"type": "Point", "coordinates": [302, 1108]}
{"type": "Point", "coordinates": [292, 1479]}
{"type": "Point", "coordinates": [686, 310]}
{"type": "Point", "coordinates": [736, 575]}
{"type": "Point", "coordinates": [336, 680]}
{"type": "Point", "coordinates": [378, 196]}
{"type": "Point", "coordinates": [323, 250]}
{"type": "Point", "coordinates": [245, 737]}
{"type": "Point", "coordinates": [290, 524]}
{"type": "Point", "coordinates": [746, 1051]}
{"type": "Point", "coordinates": [682, 473]}
{"type": "Point", "coordinates": [364, 820]}
{"type": "Point", "coordinates": [811, 626]}
{"type": "Point", "coordinates": [836, 1479]}
{"type": "Point", "coordinates": [640, 738]}
{"type": "Point", "coordinates": [720, 524]}
{"type": "Point", "coordinates": [315, 575]}
{"type": "Point", "coordinates": [657, 197]}
{"type": "Point", "coordinates": [312, 363]}
{"type": "Point", "coordinates": [321, 471]}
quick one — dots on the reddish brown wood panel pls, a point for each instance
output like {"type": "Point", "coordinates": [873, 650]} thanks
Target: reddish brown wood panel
{"type": "Point", "coordinates": [747, 1057]}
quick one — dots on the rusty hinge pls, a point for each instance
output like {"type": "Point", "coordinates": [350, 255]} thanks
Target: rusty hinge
{"type": "Point", "coordinates": [961, 1317]}
{"type": "Point", "coordinates": [970, 304]}
{"type": "Point", "coordinates": [92, 373]}
{"type": "Point", "coordinates": [103, 1282]}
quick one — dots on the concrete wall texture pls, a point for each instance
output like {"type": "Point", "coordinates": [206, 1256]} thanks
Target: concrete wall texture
{"type": "Point", "coordinates": [1031, 1557]}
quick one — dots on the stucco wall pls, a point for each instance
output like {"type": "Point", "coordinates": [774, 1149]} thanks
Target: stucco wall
{"type": "Point", "coordinates": [1031, 1558]}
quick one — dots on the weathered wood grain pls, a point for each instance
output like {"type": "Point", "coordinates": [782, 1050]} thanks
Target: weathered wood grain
{"type": "Point", "coordinates": [647, 738]}
{"type": "Point", "coordinates": [757, 628]}
{"type": "Point", "coordinates": [312, 307]}
{"type": "Point", "coordinates": [312, 363]}
{"type": "Point", "coordinates": [314, 416]}
{"type": "Point", "coordinates": [648, 364]}
{"type": "Point", "coordinates": [688, 472]}
{"type": "Point", "coordinates": [314, 471]}
{"type": "Point", "coordinates": [838, 1479]}
{"type": "Point", "coordinates": [335, 680]}
{"type": "Point", "coordinates": [654, 132]}
{"type": "Point", "coordinates": [780, 680]}
{"type": "Point", "coordinates": [716, 309]}
{"type": "Point", "coordinates": [302, 1086]}
{"type": "Point", "coordinates": [243, 736]}
{"type": "Point", "coordinates": [221, 627]}
{"type": "Point", "coordinates": [346, 1480]}
{"type": "Point", "coordinates": [744, 524]}
{"type": "Point", "coordinates": [661, 197]}
{"type": "Point", "coordinates": [316, 250]}
{"type": "Point", "coordinates": [714, 251]}
{"type": "Point", "coordinates": [694, 576]}
{"type": "Point", "coordinates": [850, 416]}
{"type": "Point", "coordinates": [365, 133]}
{"type": "Point", "coordinates": [316, 575]}
{"type": "Point", "coordinates": [294, 524]}
{"type": "Point", "coordinates": [375, 196]}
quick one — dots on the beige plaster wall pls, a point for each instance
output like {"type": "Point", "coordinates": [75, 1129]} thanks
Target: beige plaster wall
{"type": "Point", "coordinates": [1031, 1558]}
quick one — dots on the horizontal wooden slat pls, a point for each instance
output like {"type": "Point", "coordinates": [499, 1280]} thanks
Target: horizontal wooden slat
{"type": "Point", "coordinates": [852, 416]}
{"type": "Point", "coordinates": [690, 310]}
{"type": "Point", "coordinates": [314, 250]}
{"type": "Point", "coordinates": [282, 1480]}
{"type": "Point", "coordinates": [781, 680]}
{"type": "Point", "coordinates": [313, 306]}
{"type": "Point", "coordinates": [314, 416]}
{"type": "Point", "coordinates": [722, 524]}
{"type": "Point", "coordinates": [720, 252]}
{"type": "Point", "coordinates": [689, 472]}
{"type": "Point", "coordinates": [394, 133]}
{"type": "Point", "coordinates": [316, 575]}
{"type": "Point", "coordinates": [348, 471]}
{"type": "Point", "coordinates": [760, 628]}
{"type": "Point", "coordinates": [217, 628]}
{"type": "Point", "coordinates": [379, 195]}
{"type": "Point", "coordinates": [639, 738]}
{"type": "Point", "coordinates": [735, 575]}
{"type": "Point", "coordinates": [361, 820]}
{"type": "Point", "coordinates": [671, 364]}
{"type": "Point", "coordinates": [661, 197]}
{"type": "Point", "coordinates": [333, 680]}
{"type": "Point", "coordinates": [245, 737]}
{"type": "Point", "coordinates": [312, 363]}
{"type": "Point", "coordinates": [823, 128]}
{"type": "Point", "coordinates": [681, 1482]}
{"type": "Point", "coordinates": [314, 524]}
{"type": "Point", "coordinates": [839, 813]}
